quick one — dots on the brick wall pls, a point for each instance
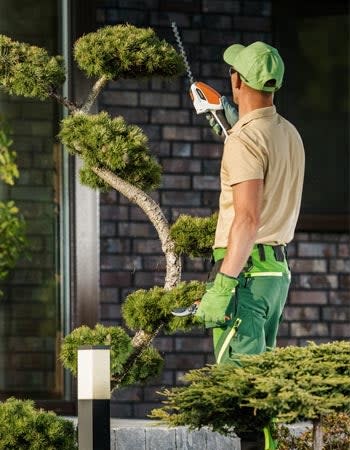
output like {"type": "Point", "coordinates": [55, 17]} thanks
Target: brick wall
{"type": "Point", "coordinates": [131, 257]}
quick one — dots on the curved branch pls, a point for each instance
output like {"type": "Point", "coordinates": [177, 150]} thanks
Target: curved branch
{"type": "Point", "coordinates": [96, 89]}
{"type": "Point", "coordinates": [141, 340]}
{"type": "Point", "coordinates": [71, 106]}
{"type": "Point", "coordinates": [155, 215]}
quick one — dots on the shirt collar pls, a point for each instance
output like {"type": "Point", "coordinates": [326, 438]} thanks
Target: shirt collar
{"type": "Point", "coordinates": [255, 114]}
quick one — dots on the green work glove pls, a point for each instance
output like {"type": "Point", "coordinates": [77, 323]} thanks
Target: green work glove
{"type": "Point", "coordinates": [215, 307]}
{"type": "Point", "coordinates": [230, 112]}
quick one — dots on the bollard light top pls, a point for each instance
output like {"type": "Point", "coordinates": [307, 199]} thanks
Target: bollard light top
{"type": "Point", "coordinates": [94, 347]}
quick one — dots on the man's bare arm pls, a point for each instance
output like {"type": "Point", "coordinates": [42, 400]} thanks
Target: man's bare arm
{"type": "Point", "coordinates": [247, 200]}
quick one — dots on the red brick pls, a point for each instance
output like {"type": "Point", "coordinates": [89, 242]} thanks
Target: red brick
{"type": "Point", "coordinates": [340, 330]}
{"type": "Point", "coordinates": [301, 329]}
{"type": "Point", "coordinates": [182, 149]}
{"type": "Point", "coordinates": [159, 100]}
{"type": "Point", "coordinates": [110, 311]}
{"type": "Point", "coordinates": [301, 313]}
{"type": "Point", "coordinates": [252, 23]}
{"type": "Point", "coordinates": [308, 297]}
{"type": "Point", "coordinates": [181, 198]}
{"type": "Point", "coordinates": [339, 265]}
{"type": "Point", "coordinates": [127, 394]}
{"type": "Point", "coordinates": [118, 279]}
{"type": "Point", "coordinates": [313, 249]}
{"type": "Point", "coordinates": [164, 344]}
{"type": "Point", "coordinates": [109, 295]}
{"type": "Point", "coordinates": [206, 182]}
{"type": "Point", "coordinates": [344, 250]}
{"type": "Point", "coordinates": [308, 265]}
{"type": "Point", "coordinates": [182, 166]}
{"type": "Point", "coordinates": [115, 245]}
{"type": "Point", "coordinates": [127, 98]}
{"type": "Point", "coordinates": [113, 212]}
{"type": "Point", "coordinates": [339, 298]}
{"type": "Point", "coordinates": [176, 181]}
{"type": "Point", "coordinates": [184, 361]}
{"type": "Point", "coordinates": [148, 279]}
{"type": "Point", "coordinates": [344, 282]}
{"type": "Point", "coordinates": [139, 229]}
{"type": "Point", "coordinates": [168, 117]}
{"type": "Point", "coordinates": [339, 314]}
{"type": "Point", "coordinates": [228, 6]}
{"type": "Point", "coordinates": [146, 246]}
{"type": "Point", "coordinates": [181, 133]}
{"type": "Point", "coordinates": [286, 342]}
{"type": "Point", "coordinates": [191, 344]}
{"type": "Point", "coordinates": [319, 281]}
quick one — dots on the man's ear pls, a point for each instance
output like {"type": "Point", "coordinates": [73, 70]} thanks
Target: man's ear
{"type": "Point", "coordinates": [238, 81]}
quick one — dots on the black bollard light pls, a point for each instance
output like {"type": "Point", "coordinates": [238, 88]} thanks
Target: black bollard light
{"type": "Point", "coordinates": [94, 393]}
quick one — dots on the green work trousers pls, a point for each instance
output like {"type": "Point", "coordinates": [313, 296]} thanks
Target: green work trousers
{"type": "Point", "coordinates": [256, 306]}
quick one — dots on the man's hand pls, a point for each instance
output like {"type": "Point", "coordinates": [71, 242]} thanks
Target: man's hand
{"type": "Point", "coordinates": [215, 308]}
{"type": "Point", "coordinates": [230, 112]}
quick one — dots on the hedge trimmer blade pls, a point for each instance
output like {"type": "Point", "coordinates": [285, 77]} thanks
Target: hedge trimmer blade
{"type": "Point", "coordinates": [182, 51]}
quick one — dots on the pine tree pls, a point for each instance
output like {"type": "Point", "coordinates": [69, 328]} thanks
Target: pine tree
{"type": "Point", "coordinates": [288, 384]}
{"type": "Point", "coordinates": [116, 156]}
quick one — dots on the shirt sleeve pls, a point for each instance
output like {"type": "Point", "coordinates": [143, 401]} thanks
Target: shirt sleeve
{"type": "Point", "coordinates": [241, 162]}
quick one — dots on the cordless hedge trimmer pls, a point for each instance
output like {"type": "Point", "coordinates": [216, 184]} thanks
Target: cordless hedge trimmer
{"type": "Point", "coordinates": [205, 98]}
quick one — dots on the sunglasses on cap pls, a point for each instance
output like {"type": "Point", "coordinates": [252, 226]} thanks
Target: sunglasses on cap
{"type": "Point", "coordinates": [231, 71]}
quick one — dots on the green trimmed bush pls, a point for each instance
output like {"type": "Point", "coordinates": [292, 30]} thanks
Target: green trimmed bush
{"type": "Point", "coordinates": [103, 141]}
{"type": "Point", "coordinates": [148, 365]}
{"type": "Point", "coordinates": [146, 310]}
{"type": "Point", "coordinates": [28, 70]}
{"type": "Point", "coordinates": [125, 51]}
{"type": "Point", "coordinates": [194, 236]}
{"type": "Point", "coordinates": [289, 384]}
{"type": "Point", "coordinates": [23, 427]}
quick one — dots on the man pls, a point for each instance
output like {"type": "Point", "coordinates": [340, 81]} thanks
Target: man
{"type": "Point", "coordinates": [262, 173]}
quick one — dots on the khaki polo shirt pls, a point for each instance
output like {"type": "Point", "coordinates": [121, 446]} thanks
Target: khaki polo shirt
{"type": "Point", "coordinates": [263, 145]}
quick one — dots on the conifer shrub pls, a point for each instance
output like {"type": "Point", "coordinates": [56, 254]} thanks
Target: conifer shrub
{"type": "Point", "coordinates": [194, 236]}
{"type": "Point", "coordinates": [148, 365]}
{"type": "Point", "coordinates": [147, 309]}
{"type": "Point", "coordinates": [289, 384]}
{"type": "Point", "coordinates": [125, 51]}
{"type": "Point", "coordinates": [13, 241]}
{"type": "Point", "coordinates": [28, 70]}
{"type": "Point", "coordinates": [103, 141]}
{"type": "Point", "coordinates": [23, 427]}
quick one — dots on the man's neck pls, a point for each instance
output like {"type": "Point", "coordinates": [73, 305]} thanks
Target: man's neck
{"type": "Point", "coordinates": [249, 106]}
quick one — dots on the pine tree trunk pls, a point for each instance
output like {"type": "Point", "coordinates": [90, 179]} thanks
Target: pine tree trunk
{"type": "Point", "coordinates": [317, 434]}
{"type": "Point", "coordinates": [141, 340]}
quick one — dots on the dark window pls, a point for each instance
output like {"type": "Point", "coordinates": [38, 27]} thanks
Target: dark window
{"type": "Point", "coordinates": [313, 39]}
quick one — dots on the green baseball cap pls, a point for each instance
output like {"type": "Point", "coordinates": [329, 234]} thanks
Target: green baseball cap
{"type": "Point", "coordinates": [259, 65]}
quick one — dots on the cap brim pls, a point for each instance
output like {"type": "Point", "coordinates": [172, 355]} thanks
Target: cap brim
{"type": "Point", "coordinates": [230, 54]}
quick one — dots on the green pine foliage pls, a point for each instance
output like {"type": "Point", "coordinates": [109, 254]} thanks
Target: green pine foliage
{"type": "Point", "coordinates": [28, 70]}
{"type": "Point", "coordinates": [103, 141]}
{"type": "Point", "coordinates": [8, 167]}
{"type": "Point", "coordinates": [290, 384]}
{"type": "Point", "coordinates": [147, 309]}
{"type": "Point", "coordinates": [23, 427]}
{"type": "Point", "coordinates": [125, 51]}
{"type": "Point", "coordinates": [13, 241]}
{"type": "Point", "coordinates": [194, 236]}
{"type": "Point", "coordinates": [148, 365]}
